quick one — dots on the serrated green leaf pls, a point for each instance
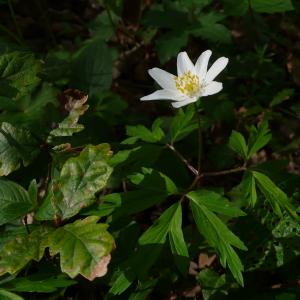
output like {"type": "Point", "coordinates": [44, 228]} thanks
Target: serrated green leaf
{"type": "Point", "coordinates": [93, 73]}
{"type": "Point", "coordinates": [15, 201]}
{"type": "Point", "coordinates": [21, 249]}
{"type": "Point", "coordinates": [211, 283]}
{"type": "Point", "coordinates": [121, 284]}
{"type": "Point", "coordinates": [6, 295]}
{"type": "Point", "coordinates": [84, 247]}
{"type": "Point", "coordinates": [238, 143]}
{"type": "Point", "coordinates": [182, 124]}
{"type": "Point", "coordinates": [259, 137]}
{"type": "Point", "coordinates": [80, 178]}
{"type": "Point", "coordinates": [282, 96]}
{"type": "Point", "coordinates": [69, 125]}
{"type": "Point", "coordinates": [143, 290]}
{"type": "Point", "coordinates": [276, 197]}
{"type": "Point", "coordinates": [271, 6]}
{"type": "Point", "coordinates": [32, 110]}
{"type": "Point", "coordinates": [153, 180]}
{"type": "Point", "coordinates": [169, 224]}
{"type": "Point", "coordinates": [154, 187]}
{"type": "Point", "coordinates": [143, 133]}
{"type": "Point", "coordinates": [19, 70]}
{"type": "Point", "coordinates": [216, 203]}
{"type": "Point", "coordinates": [249, 188]}
{"type": "Point", "coordinates": [110, 107]}
{"type": "Point", "coordinates": [218, 236]}
{"type": "Point", "coordinates": [17, 146]}
{"type": "Point", "coordinates": [157, 233]}
{"type": "Point", "coordinates": [177, 242]}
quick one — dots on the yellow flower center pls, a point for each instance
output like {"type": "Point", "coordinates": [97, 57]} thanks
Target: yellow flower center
{"type": "Point", "coordinates": [188, 84]}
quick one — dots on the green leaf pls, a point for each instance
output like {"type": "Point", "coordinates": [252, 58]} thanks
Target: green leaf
{"type": "Point", "coordinates": [216, 33]}
{"type": "Point", "coordinates": [93, 73]}
{"type": "Point", "coordinates": [110, 107]}
{"type": "Point", "coordinates": [21, 249]}
{"type": "Point", "coordinates": [32, 110]}
{"type": "Point", "coordinates": [211, 283]}
{"type": "Point", "coordinates": [283, 95]}
{"type": "Point", "coordinates": [80, 178]}
{"type": "Point", "coordinates": [121, 284]}
{"type": "Point", "coordinates": [143, 290]}
{"type": "Point", "coordinates": [169, 44]}
{"type": "Point", "coordinates": [16, 146]}
{"type": "Point", "coordinates": [276, 197]}
{"type": "Point", "coordinates": [154, 187]}
{"type": "Point", "coordinates": [177, 242]}
{"type": "Point", "coordinates": [238, 143]}
{"type": "Point", "coordinates": [69, 126]}
{"type": "Point", "coordinates": [249, 188]}
{"type": "Point", "coordinates": [216, 203]}
{"type": "Point", "coordinates": [153, 180]}
{"type": "Point", "coordinates": [218, 236]}
{"type": "Point", "coordinates": [38, 283]}
{"type": "Point", "coordinates": [125, 162]}
{"type": "Point", "coordinates": [15, 201]}
{"type": "Point", "coordinates": [182, 124]}
{"type": "Point", "coordinates": [84, 247]}
{"type": "Point", "coordinates": [141, 132]}
{"type": "Point", "coordinates": [157, 233]}
{"type": "Point", "coordinates": [236, 8]}
{"type": "Point", "coordinates": [5, 295]}
{"type": "Point", "coordinates": [101, 26]}
{"type": "Point", "coordinates": [258, 138]}
{"type": "Point", "coordinates": [169, 224]}
{"type": "Point", "coordinates": [19, 70]}
{"type": "Point", "coordinates": [271, 6]}
{"type": "Point", "coordinates": [128, 203]}
{"type": "Point", "coordinates": [33, 191]}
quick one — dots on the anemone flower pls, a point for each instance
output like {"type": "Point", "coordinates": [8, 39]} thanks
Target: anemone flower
{"type": "Point", "coordinates": [192, 81]}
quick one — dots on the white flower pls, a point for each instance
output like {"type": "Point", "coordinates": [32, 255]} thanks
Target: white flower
{"type": "Point", "coordinates": [192, 81]}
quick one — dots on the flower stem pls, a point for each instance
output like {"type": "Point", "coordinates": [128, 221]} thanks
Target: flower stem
{"type": "Point", "coordinates": [200, 144]}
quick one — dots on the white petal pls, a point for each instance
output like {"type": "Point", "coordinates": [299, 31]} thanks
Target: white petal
{"type": "Point", "coordinates": [212, 88]}
{"type": "Point", "coordinates": [163, 78]}
{"type": "Point", "coordinates": [201, 64]}
{"type": "Point", "coordinates": [163, 95]}
{"type": "Point", "coordinates": [216, 69]}
{"type": "Point", "coordinates": [178, 104]}
{"type": "Point", "coordinates": [184, 64]}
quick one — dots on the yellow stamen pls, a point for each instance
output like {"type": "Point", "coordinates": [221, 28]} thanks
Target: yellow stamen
{"type": "Point", "coordinates": [188, 84]}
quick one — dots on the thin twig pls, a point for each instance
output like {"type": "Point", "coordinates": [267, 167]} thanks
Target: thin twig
{"type": "Point", "coordinates": [224, 172]}
{"type": "Point", "coordinates": [183, 159]}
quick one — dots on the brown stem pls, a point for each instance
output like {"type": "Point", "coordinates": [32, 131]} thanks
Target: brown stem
{"type": "Point", "coordinates": [224, 172]}
{"type": "Point", "coordinates": [183, 159]}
